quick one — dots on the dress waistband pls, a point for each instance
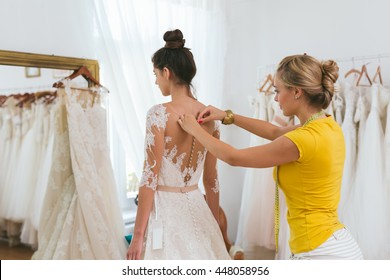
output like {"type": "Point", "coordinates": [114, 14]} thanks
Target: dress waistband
{"type": "Point", "coordinates": [177, 189]}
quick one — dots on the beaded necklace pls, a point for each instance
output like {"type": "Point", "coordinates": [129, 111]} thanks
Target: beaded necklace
{"type": "Point", "coordinates": [314, 117]}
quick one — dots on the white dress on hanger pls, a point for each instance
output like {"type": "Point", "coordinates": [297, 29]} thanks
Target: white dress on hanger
{"type": "Point", "coordinates": [44, 141]}
{"type": "Point", "coordinates": [189, 229]}
{"type": "Point", "coordinates": [14, 139]}
{"type": "Point", "coordinates": [330, 110]}
{"type": "Point", "coordinates": [387, 173]}
{"type": "Point", "coordinates": [26, 168]}
{"type": "Point", "coordinates": [371, 213]}
{"type": "Point", "coordinates": [5, 142]}
{"type": "Point", "coordinates": [284, 252]}
{"type": "Point", "coordinates": [352, 205]}
{"type": "Point", "coordinates": [6, 134]}
{"type": "Point", "coordinates": [349, 128]}
{"type": "Point", "coordinates": [80, 216]}
{"type": "Point", "coordinates": [256, 223]}
{"type": "Point", "coordinates": [47, 155]}
{"type": "Point", "coordinates": [338, 104]}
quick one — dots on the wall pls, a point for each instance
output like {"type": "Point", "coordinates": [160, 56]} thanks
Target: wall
{"type": "Point", "coordinates": [57, 27]}
{"type": "Point", "coordinates": [262, 32]}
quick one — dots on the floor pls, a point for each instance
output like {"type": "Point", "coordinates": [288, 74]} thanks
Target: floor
{"type": "Point", "coordinates": [19, 252]}
{"type": "Point", "coordinates": [259, 253]}
{"type": "Point", "coordinates": [22, 252]}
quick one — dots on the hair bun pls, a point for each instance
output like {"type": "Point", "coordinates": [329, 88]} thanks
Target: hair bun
{"type": "Point", "coordinates": [174, 39]}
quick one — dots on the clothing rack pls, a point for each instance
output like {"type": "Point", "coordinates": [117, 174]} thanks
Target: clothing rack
{"type": "Point", "coordinates": [28, 98]}
{"type": "Point", "coordinates": [362, 58]}
{"type": "Point", "coordinates": [11, 91]}
{"type": "Point", "coordinates": [338, 60]}
{"type": "Point", "coordinates": [264, 70]}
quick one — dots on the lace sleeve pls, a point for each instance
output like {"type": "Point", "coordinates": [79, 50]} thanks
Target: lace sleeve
{"type": "Point", "coordinates": [156, 120]}
{"type": "Point", "coordinates": [210, 174]}
{"type": "Point", "coordinates": [210, 179]}
{"type": "Point", "coordinates": [216, 131]}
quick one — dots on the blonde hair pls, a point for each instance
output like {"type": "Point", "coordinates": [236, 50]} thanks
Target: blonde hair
{"type": "Point", "coordinates": [315, 78]}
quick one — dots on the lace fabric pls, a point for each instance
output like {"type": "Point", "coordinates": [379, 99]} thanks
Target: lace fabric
{"type": "Point", "coordinates": [172, 167]}
{"type": "Point", "coordinates": [190, 230]}
{"type": "Point", "coordinates": [80, 217]}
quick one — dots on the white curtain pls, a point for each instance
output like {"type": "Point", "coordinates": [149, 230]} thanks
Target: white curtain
{"type": "Point", "coordinates": [131, 32]}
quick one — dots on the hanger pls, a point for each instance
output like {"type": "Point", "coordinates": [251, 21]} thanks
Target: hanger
{"type": "Point", "coordinates": [82, 71]}
{"type": "Point", "coordinates": [351, 72]}
{"type": "Point", "coordinates": [378, 74]}
{"type": "Point", "coordinates": [48, 96]}
{"type": "Point", "coordinates": [364, 71]}
{"type": "Point", "coordinates": [3, 98]}
{"type": "Point", "coordinates": [267, 84]}
{"type": "Point", "coordinates": [24, 99]}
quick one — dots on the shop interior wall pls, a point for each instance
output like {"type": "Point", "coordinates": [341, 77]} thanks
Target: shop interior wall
{"type": "Point", "coordinates": [262, 32]}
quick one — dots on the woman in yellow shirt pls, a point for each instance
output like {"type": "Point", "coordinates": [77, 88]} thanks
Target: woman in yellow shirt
{"type": "Point", "coordinates": [308, 158]}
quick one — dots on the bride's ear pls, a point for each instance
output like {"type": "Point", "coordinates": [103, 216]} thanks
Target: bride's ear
{"type": "Point", "coordinates": [167, 73]}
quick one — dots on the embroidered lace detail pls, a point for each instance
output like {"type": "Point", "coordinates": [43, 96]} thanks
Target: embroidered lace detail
{"type": "Point", "coordinates": [171, 154]}
{"type": "Point", "coordinates": [217, 127]}
{"type": "Point", "coordinates": [149, 178]}
{"type": "Point", "coordinates": [201, 156]}
{"type": "Point", "coordinates": [156, 120]}
{"type": "Point", "coordinates": [157, 117]}
{"type": "Point", "coordinates": [81, 218]}
{"type": "Point", "coordinates": [215, 189]}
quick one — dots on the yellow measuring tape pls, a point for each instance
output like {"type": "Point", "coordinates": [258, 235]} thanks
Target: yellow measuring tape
{"type": "Point", "coordinates": [276, 211]}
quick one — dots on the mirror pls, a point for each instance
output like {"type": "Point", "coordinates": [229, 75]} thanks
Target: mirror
{"type": "Point", "coordinates": [23, 71]}
{"type": "Point", "coordinates": [26, 73]}
{"type": "Point", "coordinates": [48, 61]}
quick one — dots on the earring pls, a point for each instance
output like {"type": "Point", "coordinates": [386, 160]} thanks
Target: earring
{"type": "Point", "coordinates": [296, 97]}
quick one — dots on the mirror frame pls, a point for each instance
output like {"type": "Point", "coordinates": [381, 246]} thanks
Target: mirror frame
{"type": "Point", "coordinates": [13, 58]}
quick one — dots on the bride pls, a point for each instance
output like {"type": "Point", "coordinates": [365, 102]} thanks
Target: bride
{"type": "Point", "coordinates": [173, 220]}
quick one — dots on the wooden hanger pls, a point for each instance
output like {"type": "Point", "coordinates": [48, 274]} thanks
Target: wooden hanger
{"type": "Point", "coordinates": [351, 72]}
{"type": "Point", "coordinates": [378, 74]}
{"type": "Point", "coordinates": [41, 94]}
{"type": "Point", "coordinates": [82, 71]}
{"type": "Point", "coordinates": [24, 99]}
{"type": "Point", "coordinates": [47, 96]}
{"type": "Point", "coordinates": [267, 85]}
{"type": "Point", "coordinates": [364, 71]}
{"type": "Point", "coordinates": [3, 98]}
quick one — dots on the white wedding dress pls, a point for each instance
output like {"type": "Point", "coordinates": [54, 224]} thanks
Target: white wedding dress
{"type": "Point", "coordinates": [350, 129]}
{"type": "Point", "coordinates": [256, 220]}
{"type": "Point", "coordinates": [80, 218]}
{"type": "Point", "coordinates": [369, 186]}
{"type": "Point", "coordinates": [351, 203]}
{"type": "Point", "coordinates": [189, 229]}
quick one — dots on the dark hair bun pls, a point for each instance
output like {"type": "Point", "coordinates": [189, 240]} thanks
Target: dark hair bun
{"type": "Point", "coordinates": [174, 39]}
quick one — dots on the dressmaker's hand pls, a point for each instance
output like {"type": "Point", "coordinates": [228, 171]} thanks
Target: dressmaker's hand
{"type": "Point", "coordinates": [188, 123]}
{"type": "Point", "coordinates": [210, 113]}
{"type": "Point", "coordinates": [134, 251]}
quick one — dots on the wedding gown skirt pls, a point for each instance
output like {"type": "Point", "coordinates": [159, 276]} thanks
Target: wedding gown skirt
{"type": "Point", "coordinates": [80, 217]}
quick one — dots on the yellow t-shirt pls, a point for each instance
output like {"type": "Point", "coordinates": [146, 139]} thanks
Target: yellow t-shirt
{"type": "Point", "coordinates": [312, 183]}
